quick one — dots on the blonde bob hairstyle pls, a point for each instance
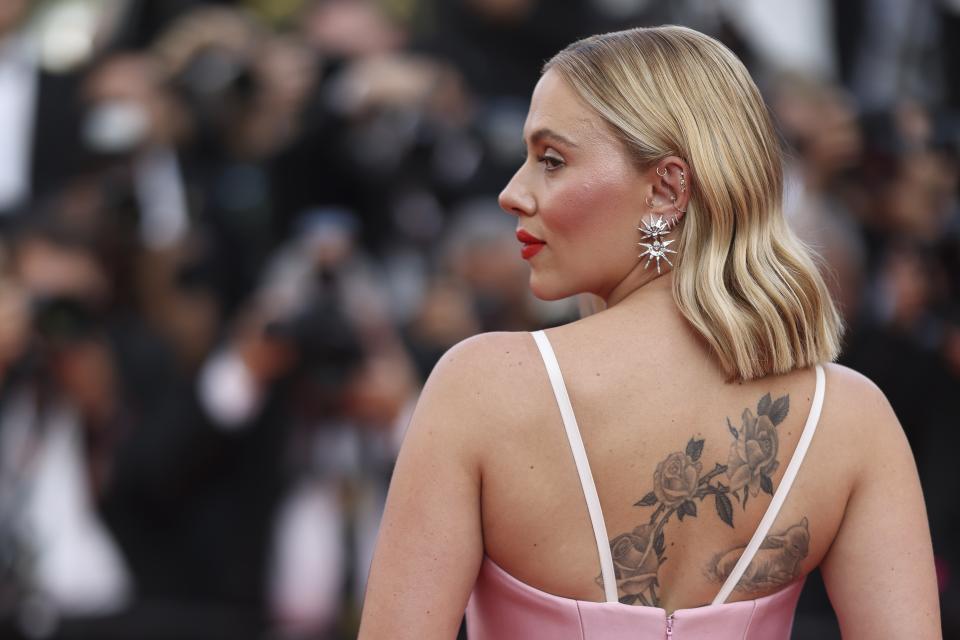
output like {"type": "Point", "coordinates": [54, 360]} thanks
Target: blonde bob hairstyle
{"type": "Point", "coordinates": [742, 278]}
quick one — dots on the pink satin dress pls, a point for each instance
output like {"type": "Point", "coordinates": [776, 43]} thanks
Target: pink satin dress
{"type": "Point", "coordinates": [502, 607]}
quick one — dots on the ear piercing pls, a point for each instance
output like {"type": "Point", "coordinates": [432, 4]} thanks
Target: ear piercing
{"type": "Point", "coordinates": [683, 180]}
{"type": "Point", "coordinates": [674, 218]}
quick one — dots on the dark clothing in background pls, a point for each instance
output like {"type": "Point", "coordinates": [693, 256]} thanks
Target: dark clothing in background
{"type": "Point", "coordinates": [56, 152]}
{"type": "Point", "coordinates": [191, 505]}
{"type": "Point", "coordinates": [505, 58]}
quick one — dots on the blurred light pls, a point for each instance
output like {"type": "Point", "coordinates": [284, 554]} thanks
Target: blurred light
{"type": "Point", "coordinates": [117, 126]}
{"type": "Point", "coordinates": [65, 33]}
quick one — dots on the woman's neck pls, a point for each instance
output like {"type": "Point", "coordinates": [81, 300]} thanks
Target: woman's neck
{"type": "Point", "coordinates": [639, 284]}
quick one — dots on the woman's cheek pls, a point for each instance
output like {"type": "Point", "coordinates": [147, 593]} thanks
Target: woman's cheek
{"type": "Point", "coordinates": [581, 209]}
{"type": "Point", "coordinates": [590, 213]}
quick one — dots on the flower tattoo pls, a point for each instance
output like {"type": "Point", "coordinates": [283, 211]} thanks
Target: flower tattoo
{"type": "Point", "coordinates": [679, 484]}
{"type": "Point", "coordinates": [636, 560]}
{"type": "Point", "coordinates": [753, 454]}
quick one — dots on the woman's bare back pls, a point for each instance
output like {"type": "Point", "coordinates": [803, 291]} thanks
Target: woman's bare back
{"type": "Point", "coordinates": [685, 466]}
{"type": "Point", "coordinates": [486, 468]}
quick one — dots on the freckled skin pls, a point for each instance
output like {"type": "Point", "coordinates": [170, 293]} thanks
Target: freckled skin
{"type": "Point", "coordinates": [588, 209]}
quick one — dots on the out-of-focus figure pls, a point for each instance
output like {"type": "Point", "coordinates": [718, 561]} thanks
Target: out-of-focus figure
{"type": "Point", "coordinates": [40, 149]}
{"type": "Point", "coordinates": [61, 412]}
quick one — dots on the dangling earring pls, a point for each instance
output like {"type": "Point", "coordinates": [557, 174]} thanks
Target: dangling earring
{"type": "Point", "coordinates": [655, 229]}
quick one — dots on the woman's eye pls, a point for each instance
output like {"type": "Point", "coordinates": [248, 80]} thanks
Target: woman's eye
{"type": "Point", "coordinates": [552, 163]}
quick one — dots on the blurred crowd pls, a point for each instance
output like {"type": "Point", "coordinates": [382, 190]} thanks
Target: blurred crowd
{"type": "Point", "coordinates": [235, 237]}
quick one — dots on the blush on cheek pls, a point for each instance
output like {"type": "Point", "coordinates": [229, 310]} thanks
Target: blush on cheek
{"type": "Point", "coordinates": [597, 209]}
{"type": "Point", "coordinates": [588, 241]}
{"type": "Point", "coordinates": [596, 219]}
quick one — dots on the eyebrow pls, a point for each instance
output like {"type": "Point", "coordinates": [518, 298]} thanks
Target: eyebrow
{"type": "Point", "coordinates": [550, 134]}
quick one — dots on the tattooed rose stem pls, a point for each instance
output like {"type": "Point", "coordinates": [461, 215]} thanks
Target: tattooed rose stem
{"type": "Point", "coordinates": [656, 513]}
{"type": "Point", "coordinates": [703, 492]}
{"type": "Point", "coordinates": [662, 523]}
{"type": "Point", "coordinates": [717, 470]}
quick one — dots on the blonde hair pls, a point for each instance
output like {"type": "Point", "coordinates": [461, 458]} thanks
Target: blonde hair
{"type": "Point", "coordinates": [742, 278]}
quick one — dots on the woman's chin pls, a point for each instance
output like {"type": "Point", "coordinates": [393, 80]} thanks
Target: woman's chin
{"type": "Point", "coordinates": [548, 292]}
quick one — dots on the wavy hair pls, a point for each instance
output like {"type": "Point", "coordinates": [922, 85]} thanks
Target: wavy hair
{"type": "Point", "coordinates": [742, 277]}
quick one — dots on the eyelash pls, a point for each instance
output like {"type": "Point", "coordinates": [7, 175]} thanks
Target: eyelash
{"type": "Point", "coordinates": [548, 159]}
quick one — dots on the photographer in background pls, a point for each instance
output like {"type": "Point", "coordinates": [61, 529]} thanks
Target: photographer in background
{"type": "Point", "coordinates": [241, 88]}
{"type": "Point", "coordinates": [97, 441]}
{"type": "Point", "coordinates": [308, 391]}
{"type": "Point", "coordinates": [60, 417]}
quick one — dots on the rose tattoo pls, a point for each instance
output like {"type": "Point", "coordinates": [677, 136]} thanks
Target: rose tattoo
{"type": "Point", "coordinates": [635, 560]}
{"type": "Point", "coordinates": [678, 484]}
{"type": "Point", "coordinates": [753, 454]}
{"type": "Point", "coordinates": [675, 479]}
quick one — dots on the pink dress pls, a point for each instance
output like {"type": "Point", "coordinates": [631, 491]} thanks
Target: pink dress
{"type": "Point", "coordinates": [502, 607]}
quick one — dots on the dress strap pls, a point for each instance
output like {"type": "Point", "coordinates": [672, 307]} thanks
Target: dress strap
{"type": "Point", "coordinates": [780, 495]}
{"type": "Point", "coordinates": [583, 466]}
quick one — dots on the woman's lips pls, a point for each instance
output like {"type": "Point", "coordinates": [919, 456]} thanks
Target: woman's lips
{"type": "Point", "coordinates": [530, 250]}
{"type": "Point", "coordinates": [531, 244]}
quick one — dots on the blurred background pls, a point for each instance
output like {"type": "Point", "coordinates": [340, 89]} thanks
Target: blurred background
{"type": "Point", "coordinates": [236, 236]}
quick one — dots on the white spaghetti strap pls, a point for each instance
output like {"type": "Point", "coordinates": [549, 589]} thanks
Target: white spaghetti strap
{"type": "Point", "coordinates": [780, 495]}
{"type": "Point", "coordinates": [583, 466]}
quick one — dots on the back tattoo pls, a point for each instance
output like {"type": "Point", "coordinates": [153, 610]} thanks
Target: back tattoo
{"type": "Point", "coordinates": [679, 484]}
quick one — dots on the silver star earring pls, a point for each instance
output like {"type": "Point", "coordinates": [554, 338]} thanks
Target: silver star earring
{"type": "Point", "coordinates": [654, 229]}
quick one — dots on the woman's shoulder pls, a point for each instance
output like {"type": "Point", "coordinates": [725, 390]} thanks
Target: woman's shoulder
{"type": "Point", "coordinates": [475, 358]}
{"type": "Point", "coordinates": [853, 392]}
{"type": "Point", "coordinates": [857, 416]}
{"type": "Point", "coordinates": [477, 392]}
{"type": "Point", "coordinates": [486, 369]}
{"type": "Point", "coordinates": [490, 346]}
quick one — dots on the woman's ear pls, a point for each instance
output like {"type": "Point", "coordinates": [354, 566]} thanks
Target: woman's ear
{"type": "Point", "coordinates": [670, 191]}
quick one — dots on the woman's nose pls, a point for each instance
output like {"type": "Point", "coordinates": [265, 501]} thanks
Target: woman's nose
{"type": "Point", "coordinates": [516, 199]}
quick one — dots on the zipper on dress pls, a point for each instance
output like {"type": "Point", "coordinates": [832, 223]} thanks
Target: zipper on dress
{"type": "Point", "coordinates": [669, 626]}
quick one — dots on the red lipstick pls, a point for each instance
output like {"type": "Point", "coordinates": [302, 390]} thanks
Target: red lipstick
{"type": "Point", "coordinates": [531, 244]}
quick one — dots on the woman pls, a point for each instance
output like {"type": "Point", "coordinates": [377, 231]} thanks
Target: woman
{"type": "Point", "coordinates": [699, 454]}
